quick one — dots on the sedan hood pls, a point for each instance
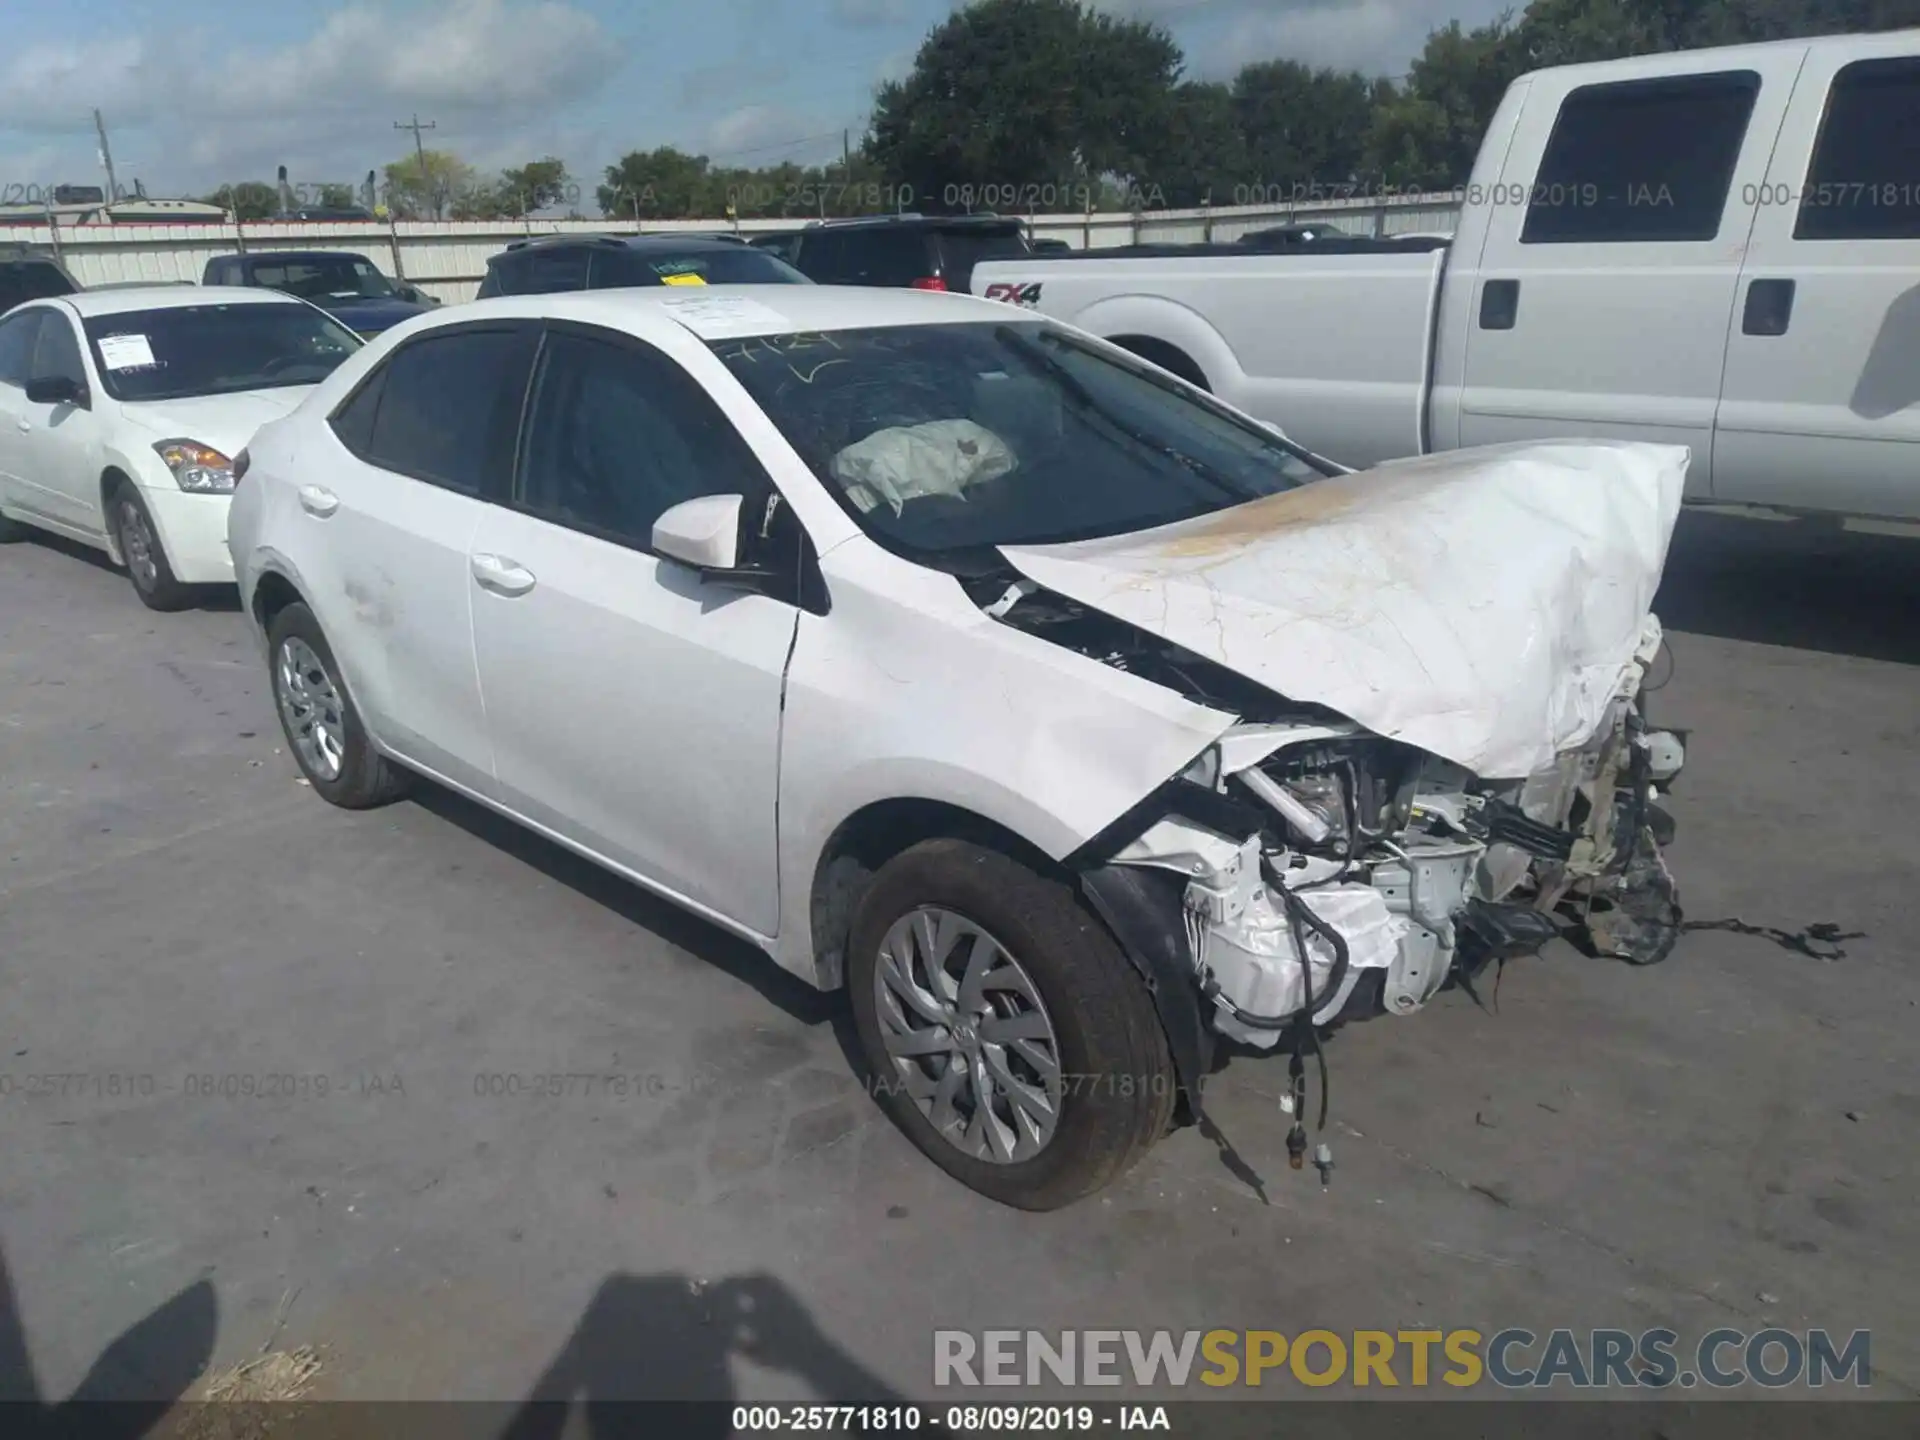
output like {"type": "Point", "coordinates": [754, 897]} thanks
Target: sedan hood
{"type": "Point", "coordinates": [1483, 605]}
{"type": "Point", "coordinates": [226, 422]}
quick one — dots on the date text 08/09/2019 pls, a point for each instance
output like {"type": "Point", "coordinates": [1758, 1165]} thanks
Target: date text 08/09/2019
{"type": "Point", "coordinates": [951, 1419]}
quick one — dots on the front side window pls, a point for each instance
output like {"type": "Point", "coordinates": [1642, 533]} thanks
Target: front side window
{"type": "Point", "coordinates": [620, 434]}
{"type": "Point", "coordinates": [17, 334]}
{"type": "Point", "coordinates": [56, 353]}
{"type": "Point", "coordinates": [447, 407]}
{"type": "Point", "coordinates": [953, 438]}
{"type": "Point", "coordinates": [1864, 180]}
{"type": "Point", "coordinates": [185, 350]}
{"type": "Point", "coordinates": [1641, 160]}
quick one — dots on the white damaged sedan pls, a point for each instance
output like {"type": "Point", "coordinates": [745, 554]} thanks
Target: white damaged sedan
{"type": "Point", "coordinates": [1076, 723]}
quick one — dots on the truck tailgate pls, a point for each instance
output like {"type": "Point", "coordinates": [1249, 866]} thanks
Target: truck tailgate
{"type": "Point", "coordinates": [1333, 348]}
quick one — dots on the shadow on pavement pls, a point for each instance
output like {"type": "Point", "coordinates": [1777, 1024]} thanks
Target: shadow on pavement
{"type": "Point", "coordinates": [212, 598]}
{"type": "Point", "coordinates": [1807, 584]}
{"type": "Point", "coordinates": [144, 1372]}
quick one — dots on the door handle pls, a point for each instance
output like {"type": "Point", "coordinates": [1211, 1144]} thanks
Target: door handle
{"type": "Point", "coordinates": [501, 575]}
{"type": "Point", "coordinates": [317, 500]}
{"type": "Point", "coordinates": [1769, 308]}
{"type": "Point", "coordinates": [24, 426]}
{"type": "Point", "coordinates": [1499, 304]}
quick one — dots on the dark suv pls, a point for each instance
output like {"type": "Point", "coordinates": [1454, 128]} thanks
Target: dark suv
{"type": "Point", "coordinates": [925, 252]}
{"type": "Point", "coordinates": [28, 272]}
{"type": "Point", "coordinates": [602, 262]}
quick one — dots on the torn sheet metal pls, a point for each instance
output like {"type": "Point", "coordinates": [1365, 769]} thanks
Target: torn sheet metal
{"type": "Point", "coordinates": [1484, 605]}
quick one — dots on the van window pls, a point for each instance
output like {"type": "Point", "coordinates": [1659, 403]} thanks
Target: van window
{"type": "Point", "coordinates": [1864, 180]}
{"type": "Point", "coordinates": [1641, 160]}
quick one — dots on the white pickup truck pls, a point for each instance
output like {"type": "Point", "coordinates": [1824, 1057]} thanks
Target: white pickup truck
{"type": "Point", "coordinates": [1714, 248]}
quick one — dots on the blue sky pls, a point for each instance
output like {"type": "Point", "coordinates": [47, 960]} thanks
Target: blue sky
{"type": "Point", "coordinates": [196, 92]}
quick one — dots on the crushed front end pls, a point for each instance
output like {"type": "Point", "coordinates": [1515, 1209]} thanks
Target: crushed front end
{"type": "Point", "coordinates": [1332, 874]}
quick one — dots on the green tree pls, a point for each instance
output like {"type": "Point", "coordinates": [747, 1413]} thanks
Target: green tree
{"type": "Point", "coordinates": [247, 200]}
{"type": "Point", "coordinates": [534, 186]}
{"type": "Point", "coordinates": [1302, 127]}
{"type": "Point", "coordinates": [1007, 97]}
{"type": "Point", "coordinates": [445, 187]}
{"type": "Point", "coordinates": [660, 184]}
{"type": "Point", "coordinates": [1426, 133]}
{"type": "Point", "coordinates": [1200, 157]}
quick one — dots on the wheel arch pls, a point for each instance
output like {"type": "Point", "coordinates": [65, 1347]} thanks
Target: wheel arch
{"type": "Point", "coordinates": [1166, 355]}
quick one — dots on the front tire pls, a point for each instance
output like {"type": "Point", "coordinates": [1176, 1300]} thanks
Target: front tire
{"type": "Point", "coordinates": [144, 555]}
{"type": "Point", "coordinates": [1004, 1031]}
{"type": "Point", "coordinates": [317, 715]}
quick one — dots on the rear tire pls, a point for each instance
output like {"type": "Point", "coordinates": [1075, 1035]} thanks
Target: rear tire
{"type": "Point", "coordinates": [1065, 994]}
{"type": "Point", "coordinates": [318, 717]}
{"type": "Point", "coordinates": [143, 553]}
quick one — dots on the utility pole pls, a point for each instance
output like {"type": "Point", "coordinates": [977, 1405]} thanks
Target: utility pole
{"type": "Point", "coordinates": [106, 158]}
{"type": "Point", "coordinates": [420, 149]}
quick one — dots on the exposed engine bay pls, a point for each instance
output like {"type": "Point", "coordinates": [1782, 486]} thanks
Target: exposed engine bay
{"type": "Point", "coordinates": [1332, 874]}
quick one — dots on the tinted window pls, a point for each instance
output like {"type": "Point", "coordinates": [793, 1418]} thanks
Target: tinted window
{"type": "Point", "coordinates": [963, 248]}
{"type": "Point", "coordinates": [322, 277]}
{"type": "Point", "coordinates": [184, 350]}
{"type": "Point", "coordinates": [890, 257]}
{"type": "Point", "coordinates": [544, 271]}
{"type": "Point", "coordinates": [825, 257]}
{"type": "Point", "coordinates": [24, 280]}
{"type": "Point", "coordinates": [449, 407]}
{"type": "Point", "coordinates": [1641, 160]}
{"type": "Point", "coordinates": [353, 421]}
{"type": "Point", "coordinates": [785, 246]}
{"type": "Point", "coordinates": [959, 437]}
{"type": "Point", "coordinates": [16, 346]}
{"type": "Point", "coordinates": [621, 434]}
{"type": "Point", "coordinates": [1864, 180]}
{"type": "Point", "coordinates": [728, 265]}
{"type": "Point", "coordinates": [56, 355]}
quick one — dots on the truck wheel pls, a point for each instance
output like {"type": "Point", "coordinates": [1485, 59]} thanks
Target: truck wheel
{"type": "Point", "coordinates": [1168, 357]}
{"type": "Point", "coordinates": [1003, 1030]}
{"type": "Point", "coordinates": [323, 728]}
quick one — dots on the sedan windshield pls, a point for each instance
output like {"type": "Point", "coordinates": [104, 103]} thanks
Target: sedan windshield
{"type": "Point", "coordinates": [324, 277]}
{"type": "Point", "coordinates": [950, 438]}
{"type": "Point", "coordinates": [215, 349]}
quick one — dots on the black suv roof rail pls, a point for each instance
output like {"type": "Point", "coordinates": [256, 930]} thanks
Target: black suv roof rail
{"type": "Point", "coordinates": [534, 242]}
{"type": "Point", "coordinates": [910, 217]}
{"type": "Point", "coordinates": [537, 241]}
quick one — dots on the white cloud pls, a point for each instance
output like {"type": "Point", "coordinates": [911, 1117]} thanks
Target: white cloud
{"type": "Point", "coordinates": [483, 70]}
{"type": "Point", "coordinates": [758, 135]}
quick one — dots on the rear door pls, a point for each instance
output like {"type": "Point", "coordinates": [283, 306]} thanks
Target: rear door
{"type": "Point", "coordinates": [1607, 281]}
{"type": "Point", "coordinates": [1821, 402]}
{"type": "Point", "coordinates": [426, 447]}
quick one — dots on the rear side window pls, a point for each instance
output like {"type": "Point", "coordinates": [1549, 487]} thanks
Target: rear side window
{"type": "Point", "coordinates": [1864, 180]}
{"type": "Point", "coordinates": [890, 257]}
{"type": "Point", "coordinates": [1641, 160]}
{"type": "Point", "coordinates": [824, 257]}
{"type": "Point", "coordinates": [353, 421]}
{"type": "Point", "coordinates": [449, 408]}
{"type": "Point", "coordinates": [963, 248]}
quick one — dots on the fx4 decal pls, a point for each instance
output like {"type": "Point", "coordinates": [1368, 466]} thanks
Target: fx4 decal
{"type": "Point", "coordinates": [1014, 292]}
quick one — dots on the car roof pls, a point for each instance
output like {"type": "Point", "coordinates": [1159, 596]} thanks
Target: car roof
{"type": "Point", "coordinates": [742, 310]}
{"type": "Point", "coordinates": [912, 220]}
{"type": "Point", "coordinates": [171, 297]}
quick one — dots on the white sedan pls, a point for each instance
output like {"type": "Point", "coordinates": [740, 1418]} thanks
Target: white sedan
{"type": "Point", "coordinates": [1073, 721]}
{"type": "Point", "coordinates": [120, 410]}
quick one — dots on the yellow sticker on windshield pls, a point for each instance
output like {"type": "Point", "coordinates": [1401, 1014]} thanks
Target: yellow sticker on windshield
{"type": "Point", "coordinates": [681, 280]}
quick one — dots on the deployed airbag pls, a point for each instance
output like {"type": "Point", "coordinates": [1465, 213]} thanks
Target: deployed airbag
{"type": "Point", "coordinates": [904, 462]}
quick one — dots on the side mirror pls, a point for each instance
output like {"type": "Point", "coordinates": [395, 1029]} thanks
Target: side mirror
{"type": "Point", "coordinates": [703, 532]}
{"type": "Point", "coordinates": [56, 390]}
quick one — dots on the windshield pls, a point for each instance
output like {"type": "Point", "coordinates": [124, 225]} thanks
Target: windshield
{"type": "Point", "coordinates": [720, 265]}
{"type": "Point", "coordinates": [950, 438]}
{"type": "Point", "coordinates": [324, 277]}
{"type": "Point", "coordinates": [215, 349]}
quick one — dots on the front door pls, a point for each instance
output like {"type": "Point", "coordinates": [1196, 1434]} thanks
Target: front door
{"type": "Point", "coordinates": [634, 708]}
{"type": "Point", "coordinates": [1821, 404]}
{"type": "Point", "coordinates": [63, 457]}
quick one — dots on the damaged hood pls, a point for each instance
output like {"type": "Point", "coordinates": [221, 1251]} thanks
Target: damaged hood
{"type": "Point", "coordinates": [1483, 604]}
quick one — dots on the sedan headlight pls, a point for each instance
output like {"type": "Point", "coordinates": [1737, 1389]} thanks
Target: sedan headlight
{"type": "Point", "coordinates": [197, 467]}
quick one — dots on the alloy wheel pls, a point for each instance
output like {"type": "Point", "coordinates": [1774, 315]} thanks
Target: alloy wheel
{"type": "Point", "coordinates": [311, 705]}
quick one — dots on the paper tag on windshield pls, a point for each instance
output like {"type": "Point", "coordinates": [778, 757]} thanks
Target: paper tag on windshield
{"type": "Point", "coordinates": [125, 352]}
{"type": "Point", "coordinates": [716, 317]}
{"type": "Point", "coordinates": [682, 280]}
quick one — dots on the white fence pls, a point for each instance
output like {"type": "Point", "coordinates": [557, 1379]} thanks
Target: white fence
{"type": "Point", "coordinates": [448, 259]}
